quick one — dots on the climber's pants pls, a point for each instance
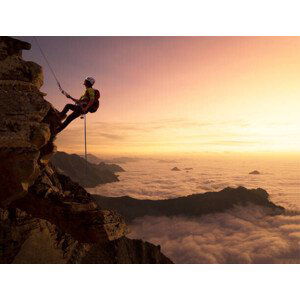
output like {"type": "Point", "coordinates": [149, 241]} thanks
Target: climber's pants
{"type": "Point", "coordinates": [77, 111]}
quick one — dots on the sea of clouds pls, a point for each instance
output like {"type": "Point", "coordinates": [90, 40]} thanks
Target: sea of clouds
{"type": "Point", "coordinates": [240, 235]}
{"type": "Point", "coordinates": [153, 179]}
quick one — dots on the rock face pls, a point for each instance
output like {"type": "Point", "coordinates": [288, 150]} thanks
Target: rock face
{"type": "Point", "coordinates": [44, 216]}
{"type": "Point", "coordinates": [86, 174]}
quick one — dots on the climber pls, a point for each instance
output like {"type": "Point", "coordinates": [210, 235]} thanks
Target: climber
{"type": "Point", "coordinates": [88, 102]}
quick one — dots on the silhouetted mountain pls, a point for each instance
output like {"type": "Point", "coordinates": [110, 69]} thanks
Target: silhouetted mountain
{"type": "Point", "coordinates": [85, 173]}
{"type": "Point", "coordinates": [193, 205]}
{"type": "Point", "coordinates": [102, 164]}
{"type": "Point", "coordinates": [255, 172]}
{"type": "Point", "coordinates": [175, 169]}
{"type": "Point", "coordinates": [114, 168]}
{"type": "Point", "coordinates": [93, 158]}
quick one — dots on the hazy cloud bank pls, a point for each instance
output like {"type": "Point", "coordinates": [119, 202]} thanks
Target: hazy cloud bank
{"type": "Point", "coordinates": [241, 235]}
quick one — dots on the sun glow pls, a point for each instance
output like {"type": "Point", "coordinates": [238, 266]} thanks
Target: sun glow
{"type": "Point", "coordinates": [181, 94]}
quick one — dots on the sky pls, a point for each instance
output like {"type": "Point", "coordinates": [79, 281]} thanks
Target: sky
{"type": "Point", "coordinates": [178, 95]}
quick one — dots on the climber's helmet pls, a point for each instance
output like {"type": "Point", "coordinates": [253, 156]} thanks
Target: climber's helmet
{"type": "Point", "coordinates": [89, 81]}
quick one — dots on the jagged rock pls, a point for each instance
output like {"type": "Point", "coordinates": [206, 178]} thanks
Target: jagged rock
{"type": "Point", "coordinates": [22, 110]}
{"type": "Point", "coordinates": [126, 251]}
{"type": "Point", "coordinates": [55, 198]}
{"type": "Point", "coordinates": [45, 217]}
{"type": "Point", "coordinates": [18, 170]}
{"type": "Point", "coordinates": [13, 68]}
{"type": "Point", "coordinates": [24, 239]}
{"type": "Point", "coordinates": [10, 47]}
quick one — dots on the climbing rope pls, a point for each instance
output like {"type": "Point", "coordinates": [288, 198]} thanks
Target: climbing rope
{"type": "Point", "coordinates": [47, 62]}
{"type": "Point", "coordinates": [64, 93]}
{"type": "Point", "coordinates": [85, 149]}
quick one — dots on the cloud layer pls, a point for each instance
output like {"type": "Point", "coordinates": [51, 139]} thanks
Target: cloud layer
{"type": "Point", "coordinates": [241, 235]}
{"type": "Point", "coordinates": [151, 179]}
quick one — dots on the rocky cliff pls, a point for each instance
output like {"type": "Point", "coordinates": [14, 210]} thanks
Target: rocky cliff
{"type": "Point", "coordinates": [44, 216]}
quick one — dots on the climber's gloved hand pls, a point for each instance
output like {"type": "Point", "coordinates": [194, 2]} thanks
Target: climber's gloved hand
{"type": "Point", "coordinates": [65, 94]}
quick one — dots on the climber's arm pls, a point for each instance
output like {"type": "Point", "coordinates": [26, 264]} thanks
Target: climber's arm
{"type": "Point", "coordinates": [66, 94]}
{"type": "Point", "coordinates": [70, 97]}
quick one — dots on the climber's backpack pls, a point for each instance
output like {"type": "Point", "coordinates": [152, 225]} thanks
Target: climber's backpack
{"type": "Point", "coordinates": [96, 103]}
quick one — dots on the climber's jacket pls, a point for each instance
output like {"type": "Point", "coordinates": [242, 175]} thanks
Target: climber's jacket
{"type": "Point", "coordinates": [88, 96]}
{"type": "Point", "coordinates": [87, 99]}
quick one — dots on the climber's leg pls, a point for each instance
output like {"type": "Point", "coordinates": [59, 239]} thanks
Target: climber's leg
{"type": "Point", "coordinates": [67, 108]}
{"type": "Point", "coordinates": [75, 114]}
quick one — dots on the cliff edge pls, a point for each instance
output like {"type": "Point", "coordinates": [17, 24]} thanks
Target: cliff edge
{"type": "Point", "coordinates": [44, 216]}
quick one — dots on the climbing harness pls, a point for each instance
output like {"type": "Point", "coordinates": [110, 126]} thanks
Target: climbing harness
{"type": "Point", "coordinates": [66, 94]}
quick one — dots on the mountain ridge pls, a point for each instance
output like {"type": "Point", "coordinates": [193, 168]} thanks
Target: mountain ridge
{"type": "Point", "coordinates": [191, 205]}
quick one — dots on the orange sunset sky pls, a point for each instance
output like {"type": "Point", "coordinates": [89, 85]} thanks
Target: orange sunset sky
{"type": "Point", "coordinates": [179, 94]}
